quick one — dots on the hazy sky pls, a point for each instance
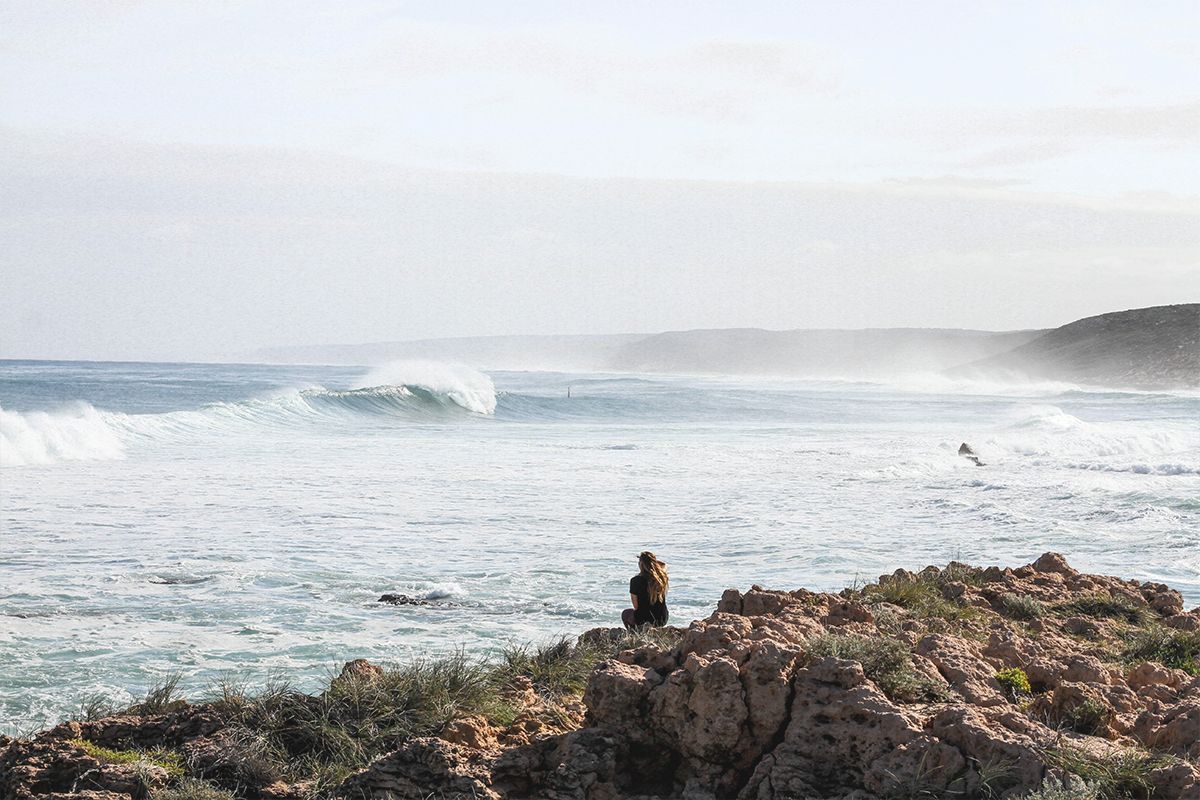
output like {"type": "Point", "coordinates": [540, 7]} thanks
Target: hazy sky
{"type": "Point", "coordinates": [199, 179]}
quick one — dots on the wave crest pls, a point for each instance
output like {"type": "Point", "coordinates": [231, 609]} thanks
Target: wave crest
{"type": "Point", "coordinates": [77, 433]}
{"type": "Point", "coordinates": [1048, 432]}
{"type": "Point", "coordinates": [417, 390]}
{"type": "Point", "coordinates": [433, 380]}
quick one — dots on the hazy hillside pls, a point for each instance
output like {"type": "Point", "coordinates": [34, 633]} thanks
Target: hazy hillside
{"type": "Point", "coordinates": [870, 353]}
{"type": "Point", "coordinates": [1146, 348]}
{"type": "Point", "coordinates": [484, 352]}
{"type": "Point", "coordinates": [1149, 348]}
{"type": "Point", "coordinates": [873, 353]}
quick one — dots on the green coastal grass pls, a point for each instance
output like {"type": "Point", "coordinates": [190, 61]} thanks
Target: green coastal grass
{"type": "Point", "coordinates": [168, 760]}
{"type": "Point", "coordinates": [922, 594]}
{"type": "Point", "coordinates": [1112, 777]}
{"type": "Point", "coordinates": [1170, 647]}
{"type": "Point", "coordinates": [1107, 606]}
{"type": "Point", "coordinates": [1015, 681]}
{"type": "Point", "coordinates": [283, 734]}
{"type": "Point", "coordinates": [887, 662]}
{"type": "Point", "coordinates": [1021, 607]}
{"type": "Point", "coordinates": [192, 789]}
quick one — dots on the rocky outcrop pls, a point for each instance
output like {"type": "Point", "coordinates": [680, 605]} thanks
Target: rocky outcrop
{"type": "Point", "coordinates": [746, 705]}
{"type": "Point", "coordinates": [957, 682]}
{"type": "Point", "coordinates": [50, 766]}
{"type": "Point", "coordinates": [426, 767]}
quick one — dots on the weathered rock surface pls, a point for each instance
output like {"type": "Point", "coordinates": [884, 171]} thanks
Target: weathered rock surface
{"type": "Point", "coordinates": [426, 767]}
{"type": "Point", "coordinates": [745, 707]}
{"type": "Point", "coordinates": [903, 689]}
{"type": "Point", "coordinates": [49, 766]}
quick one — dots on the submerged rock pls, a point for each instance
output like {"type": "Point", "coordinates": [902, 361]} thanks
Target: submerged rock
{"type": "Point", "coordinates": [966, 451]}
{"type": "Point", "coordinates": [403, 600]}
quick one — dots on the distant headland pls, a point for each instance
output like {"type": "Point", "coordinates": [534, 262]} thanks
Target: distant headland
{"type": "Point", "coordinates": [1145, 348]}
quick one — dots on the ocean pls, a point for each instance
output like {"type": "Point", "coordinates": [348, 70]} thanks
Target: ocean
{"type": "Point", "coordinates": [219, 520]}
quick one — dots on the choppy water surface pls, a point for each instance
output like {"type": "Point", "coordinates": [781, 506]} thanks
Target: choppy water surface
{"type": "Point", "coordinates": [209, 519]}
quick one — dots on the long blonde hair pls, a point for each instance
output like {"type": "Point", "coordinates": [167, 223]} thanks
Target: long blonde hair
{"type": "Point", "coordinates": [656, 576]}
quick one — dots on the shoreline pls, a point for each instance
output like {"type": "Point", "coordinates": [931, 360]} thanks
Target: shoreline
{"type": "Point", "coordinates": [957, 681]}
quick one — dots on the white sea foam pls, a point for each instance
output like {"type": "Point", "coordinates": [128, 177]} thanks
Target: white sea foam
{"type": "Point", "coordinates": [1047, 432]}
{"type": "Point", "coordinates": [442, 591]}
{"type": "Point", "coordinates": [468, 388]}
{"type": "Point", "coordinates": [77, 433]}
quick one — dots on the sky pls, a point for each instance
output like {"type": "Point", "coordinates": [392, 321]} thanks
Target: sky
{"type": "Point", "coordinates": [197, 180]}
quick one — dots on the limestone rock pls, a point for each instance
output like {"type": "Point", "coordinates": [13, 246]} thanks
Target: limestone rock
{"type": "Point", "coordinates": [422, 768]}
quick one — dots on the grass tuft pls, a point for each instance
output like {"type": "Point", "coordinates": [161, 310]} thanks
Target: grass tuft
{"type": "Point", "coordinates": [94, 707]}
{"type": "Point", "coordinates": [1114, 777]}
{"type": "Point", "coordinates": [887, 662]}
{"type": "Point", "coordinates": [192, 789]}
{"type": "Point", "coordinates": [1108, 606]}
{"type": "Point", "coordinates": [161, 698]}
{"type": "Point", "coordinates": [1088, 717]}
{"type": "Point", "coordinates": [921, 594]}
{"type": "Point", "coordinates": [1022, 607]}
{"type": "Point", "coordinates": [1015, 682]}
{"type": "Point", "coordinates": [558, 669]}
{"type": "Point", "coordinates": [1068, 790]}
{"type": "Point", "coordinates": [280, 733]}
{"type": "Point", "coordinates": [1172, 648]}
{"type": "Point", "coordinates": [168, 760]}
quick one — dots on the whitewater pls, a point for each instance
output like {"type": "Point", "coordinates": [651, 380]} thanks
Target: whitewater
{"type": "Point", "coordinates": [209, 520]}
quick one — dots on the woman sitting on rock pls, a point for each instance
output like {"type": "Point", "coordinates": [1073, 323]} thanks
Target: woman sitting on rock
{"type": "Point", "coordinates": [648, 593]}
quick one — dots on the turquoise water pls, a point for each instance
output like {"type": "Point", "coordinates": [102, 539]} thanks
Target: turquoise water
{"type": "Point", "coordinates": [215, 519]}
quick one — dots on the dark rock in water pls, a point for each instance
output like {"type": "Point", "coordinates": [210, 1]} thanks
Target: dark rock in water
{"type": "Point", "coordinates": [966, 452]}
{"type": "Point", "coordinates": [180, 581]}
{"type": "Point", "coordinates": [403, 600]}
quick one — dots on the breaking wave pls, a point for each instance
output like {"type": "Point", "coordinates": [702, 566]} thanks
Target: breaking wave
{"type": "Point", "coordinates": [433, 381]}
{"type": "Point", "coordinates": [417, 391]}
{"type": "Point", "coordinates": [1047, 433]}
{"type": "Point", "coordinates": [77, 433]}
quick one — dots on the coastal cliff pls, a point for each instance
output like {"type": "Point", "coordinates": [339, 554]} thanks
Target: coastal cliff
{"type": "Point", "coordinates": [1143, 348]}
{"type": "Point", "coordinates": [953, 682]}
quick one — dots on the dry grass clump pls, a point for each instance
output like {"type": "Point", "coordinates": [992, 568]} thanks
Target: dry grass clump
{"type": "Point", "coordinates": [168, 760]}
{"type": "Point", "coordinates": [1111, 777]}
{"type": "Point", "coordinates": [284, 734]}
{"type": "Point", "coordinates": [192, 789]}
{"type": "Point", "coordinates": [556, 670]}
{"type": "Point", "coordinates": [885, 661]}
{"type": "Point", "coordinates": [1021, 607]}
{"type": "Point", "coordinates": [1167, 646]}
{"type": "Point", "coordinates": [161, 698]}
{"type": "Point", "coordinates": [1088, 717]}
{"type": "Point", "coordinates": [1053, 790]}
{"type": "Point", "coordinates": [924, 594]}
{"type": "Point", "coordinates": [1108, 606]}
